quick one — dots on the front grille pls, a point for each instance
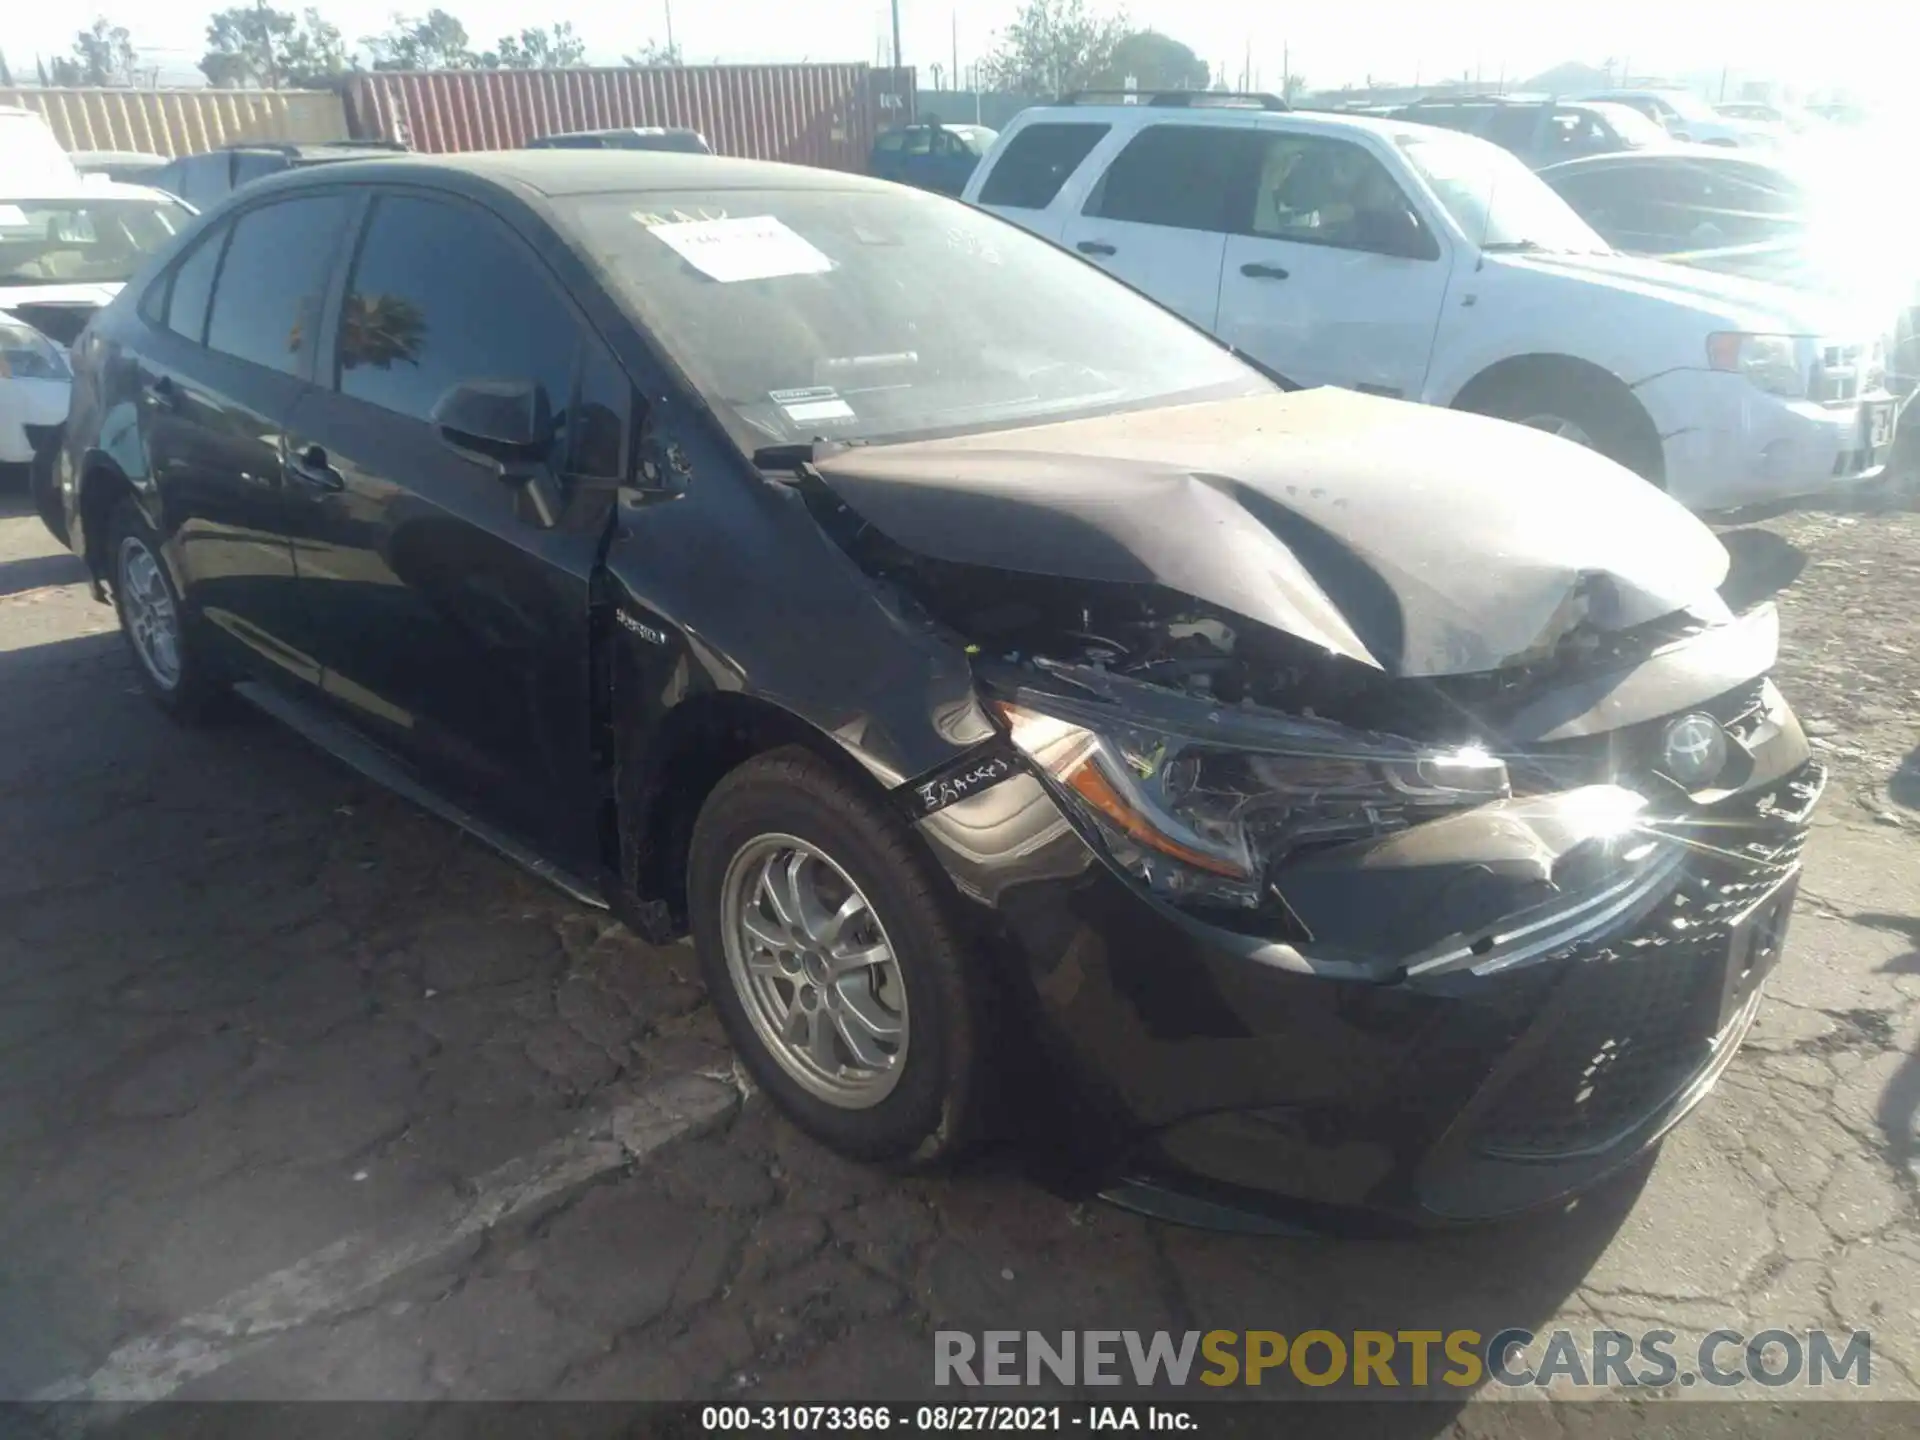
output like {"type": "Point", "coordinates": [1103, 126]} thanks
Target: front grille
{"type": "Point", "coordinates": [1634, 1022]}
{"type": "Point", "coordinates": [1836, 375]}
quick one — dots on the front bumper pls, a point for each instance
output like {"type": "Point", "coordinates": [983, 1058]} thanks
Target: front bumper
{"type": "Point", "coordinates": [1427, 1085]}
{"type": "Point", "coordinates": [1727, 443]}
{"type": "Point", "coordinates": [23, 403]}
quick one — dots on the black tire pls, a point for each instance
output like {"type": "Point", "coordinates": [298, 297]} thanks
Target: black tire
{"type": "Point", "coordinates": [45, 492]}
{"type": "Point", "coordinates": [196, 694]}
{"type": "Point", "coordinates": [936, 1109]}
{"type": "Point", "coordinates": [1610, 418]}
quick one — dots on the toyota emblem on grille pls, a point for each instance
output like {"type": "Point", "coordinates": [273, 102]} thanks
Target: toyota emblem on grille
{"type": "Point", "coordinates": [1694, 749]}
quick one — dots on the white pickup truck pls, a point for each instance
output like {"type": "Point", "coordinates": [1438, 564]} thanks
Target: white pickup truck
{"type": "Point", "coordinates": [1419, 263]}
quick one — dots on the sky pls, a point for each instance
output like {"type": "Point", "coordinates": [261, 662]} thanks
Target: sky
{"type": "Point", "coordinates": [1876, 45]}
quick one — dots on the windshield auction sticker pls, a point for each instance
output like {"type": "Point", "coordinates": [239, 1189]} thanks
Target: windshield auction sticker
{"type": "Point", "coordinates": [813, 404]}
{"type": "Point", "coordinates": [753, 247]}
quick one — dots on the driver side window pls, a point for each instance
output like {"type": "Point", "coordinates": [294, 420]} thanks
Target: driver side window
{"type": "Point", "coordinates": [1315, 191]}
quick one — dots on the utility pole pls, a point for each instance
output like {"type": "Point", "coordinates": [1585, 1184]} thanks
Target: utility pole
{"type": "Point", "coordinates": [1286, 71]}
{"type": "Point", "coordinates": [953, 21]}
{"type": "Point", "coordinates": [896, 34]}
{"type": "Point", "coordinates": [266, 46]}
{"type": "Point", "coordinates": [667, 5]}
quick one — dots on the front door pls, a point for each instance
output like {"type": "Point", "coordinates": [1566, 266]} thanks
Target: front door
{"type": "Point", "coordinates": [448, 605]}
{"type": "Point", "coordinates": [221, 367]}
{"type": "Point", "coordinates": [1157, 217]}
{"type": "Point", "coordinates": [1332, 277]}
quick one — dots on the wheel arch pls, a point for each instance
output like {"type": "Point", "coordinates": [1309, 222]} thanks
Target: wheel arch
{"type": "Point", "coordinates": [664, 775]}
{"type": "Point", "coordinates": [103, 484]}
{"type": "Point", "coordinates": [1577, 375]}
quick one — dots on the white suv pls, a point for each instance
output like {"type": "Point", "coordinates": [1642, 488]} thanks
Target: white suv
{"type": "Point", "coordinates": [1419, 263]}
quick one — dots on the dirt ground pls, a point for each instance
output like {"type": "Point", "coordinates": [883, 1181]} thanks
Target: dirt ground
{"type": "Point", "coordinates": [303, 1094]}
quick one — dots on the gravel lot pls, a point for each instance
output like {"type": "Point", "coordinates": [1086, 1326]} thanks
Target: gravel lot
{"type": "Point", "coordinates": [303, 1094]}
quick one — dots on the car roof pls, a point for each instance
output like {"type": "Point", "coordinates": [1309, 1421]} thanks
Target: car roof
{"type": "Point", "coordinates": [1332, 121]}
{"type": "Point", "coordinates": [555, 173]}
{"type": "Point", "coordinates": [621, 130]}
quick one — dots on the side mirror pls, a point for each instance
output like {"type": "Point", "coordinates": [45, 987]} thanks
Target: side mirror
{"type": "Point", "coordinates": [505, 420]}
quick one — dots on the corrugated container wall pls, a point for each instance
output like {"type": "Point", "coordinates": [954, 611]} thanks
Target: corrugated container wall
{"type": "Point", "coordinates": [804, 114]}
{"type": "Point", "coordinates": [182, 122]}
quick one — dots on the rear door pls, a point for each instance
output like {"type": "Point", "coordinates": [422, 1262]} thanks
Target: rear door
{"type": "Point", "coordinates": [449, 607]}
{"type": "Point", "coordinates": [1334, 275]}
{"type": "Point", "coordinates": [225, 358]}
{"type": "Point", "coordinates": [1157, 216]}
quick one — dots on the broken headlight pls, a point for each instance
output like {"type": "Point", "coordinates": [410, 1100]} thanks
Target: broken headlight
{"type": "Point", "coordinates": [1208, 819]}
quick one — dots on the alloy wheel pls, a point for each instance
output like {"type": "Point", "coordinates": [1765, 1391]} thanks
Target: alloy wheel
{"type": "Point", "coordinates": [814, 970]}
{"type": "Point", "coordinates": [152, 619]}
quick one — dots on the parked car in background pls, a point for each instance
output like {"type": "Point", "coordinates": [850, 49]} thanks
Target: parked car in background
{"type": "Point", "coordinates": [65, 250]}
{"type": "Point", "coordinates": [1001, 681]}
{"type": "Point", "coordinates": [1685, 116]}
{"type": "Point", "coordinates": [204, 180]}
{"type": "Point", "coordinates": [29, 153]}
{"type": "Point", "coordinates": [932, 156]}
{"type": "Point", "coordinates": [1759, 112]}
{"type": "Point", "coordinates": [1804, 226]}
{"type": "Point", "coordinates": [133, 167]}
{"type": "Point", "coordinates": [628, 137]}
{"type": "Point", "coordinates": [1541, 132]}
{"type": "Point", "coordinates": [1423, 264]}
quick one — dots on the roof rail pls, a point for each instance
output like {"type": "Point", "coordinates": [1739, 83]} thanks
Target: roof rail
{"type": "Point", "coordinates": [1179, 99]}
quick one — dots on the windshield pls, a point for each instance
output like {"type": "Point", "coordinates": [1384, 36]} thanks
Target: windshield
{"type": "Point", "coordinates": [1635, 130]}
{"type": "Point", "coordinates": [869, 315]}
{"type": "Point", "coordinates": [1496, 199]}
{"type": "Point", "coordinates": [82, 241]}
{"type": "Point", "coordinates": [1688, 106]}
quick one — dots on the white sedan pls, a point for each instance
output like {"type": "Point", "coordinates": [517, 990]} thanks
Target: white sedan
{"type": "Point", "coordinates": [66, 248]}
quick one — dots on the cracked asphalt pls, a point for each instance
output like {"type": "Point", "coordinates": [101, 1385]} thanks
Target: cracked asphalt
{"type": "Point", "coordinates": [254, 1011]}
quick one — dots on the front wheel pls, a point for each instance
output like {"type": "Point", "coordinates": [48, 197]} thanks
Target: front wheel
{"type": "Point", "coordinates": [828, 950]}
{"type": "Point", "coordinates": [1607, 420]}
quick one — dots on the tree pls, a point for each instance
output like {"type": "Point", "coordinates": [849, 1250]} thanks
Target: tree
{"type": "Point", "coordinates": [537, 49]}
{"type": "Point", "coordinates": [1054, 46]}
{"type": "Point", "coordinates": [653, 53]}
{"type": "Point", "coordinates": [1156, 62]}
{"type": "Point", "coordinates": [253, 45]}
{"type": "Point", "coordinates": [435, 41]}
{"type": "Point", "coordinates": [102, 55]}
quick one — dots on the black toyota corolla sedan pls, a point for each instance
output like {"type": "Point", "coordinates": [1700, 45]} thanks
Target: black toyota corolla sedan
{"type": "Point", "coordinates": [1319, 796]}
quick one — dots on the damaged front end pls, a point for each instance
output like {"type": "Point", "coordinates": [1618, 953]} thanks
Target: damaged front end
{"type": "Point", "coordinates": [1314, 916]}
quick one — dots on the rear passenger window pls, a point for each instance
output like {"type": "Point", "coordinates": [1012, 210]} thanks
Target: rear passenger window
{"type": "Point", "coordinates": [1178, 175]}
{"type": "Point", "coordinates": [442, 294]}
{"type": "Point", "coordinates": [266, 306]}
{"type": "Point", "coordinates": [1037, 162]}
{"type": "Point", "coordinates": [193, 285]}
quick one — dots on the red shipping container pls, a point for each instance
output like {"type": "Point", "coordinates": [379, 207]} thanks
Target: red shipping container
{"type": "Point", "coordinates": [823, 115]}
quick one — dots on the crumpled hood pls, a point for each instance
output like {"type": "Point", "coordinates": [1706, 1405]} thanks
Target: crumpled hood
{"type": "Point", "coordinates": [87, 294]}
{"type": "Point", "coordinates": [1416, 540]}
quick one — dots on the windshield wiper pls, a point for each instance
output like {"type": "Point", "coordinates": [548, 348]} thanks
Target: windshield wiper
{"type": "Point", "coordinates": [1514, 247]}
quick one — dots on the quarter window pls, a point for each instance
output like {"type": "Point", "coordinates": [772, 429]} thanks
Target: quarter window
{"type": "Point", "coordinates": [1037, 162]}
{"type": "Point", "coordinates": [186, 311]}
{"type": "Point", "coordinates": [1176, 175]}
{"type": "Point", "coordinates": [267, 301]}
{"type": "Point", "coordinates": [440, 294]}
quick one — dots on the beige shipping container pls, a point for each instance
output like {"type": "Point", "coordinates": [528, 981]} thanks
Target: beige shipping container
{"type": "Point", "coordinates": [182, 122]}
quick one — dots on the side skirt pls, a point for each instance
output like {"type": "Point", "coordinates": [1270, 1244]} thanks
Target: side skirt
{"type": "Point", "coordinates": [396, 775]}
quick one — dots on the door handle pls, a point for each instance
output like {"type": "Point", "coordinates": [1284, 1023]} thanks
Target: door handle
{"type": "Point", "coordinates": [1254, 270]}
{"type": "Point", "coordinates": [159, 391]}
{"type": "Point", "coordinates": [311, 469]}
{"type": "Point", "coordinates": [1095, 247]}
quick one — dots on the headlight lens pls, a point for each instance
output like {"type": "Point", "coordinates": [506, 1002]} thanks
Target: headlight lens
{"type": "Point", "coordinates": [1773, 362]}
{"type": "Point", "coordinates": [1196, 818]}
{"type": "Point", "coordinates": [26, 354]}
